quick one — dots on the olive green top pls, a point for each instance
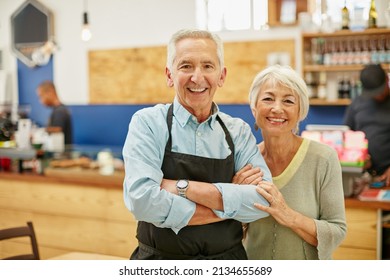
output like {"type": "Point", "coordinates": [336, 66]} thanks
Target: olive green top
{"type": "Point", "coordinates": [311, 185]}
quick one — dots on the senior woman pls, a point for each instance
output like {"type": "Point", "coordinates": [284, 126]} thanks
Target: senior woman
{"type": "Point", "coordinates": [307, 214]}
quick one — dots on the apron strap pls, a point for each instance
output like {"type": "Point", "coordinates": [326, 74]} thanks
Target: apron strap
{"type": "Point", "coordinates": [168, 146]}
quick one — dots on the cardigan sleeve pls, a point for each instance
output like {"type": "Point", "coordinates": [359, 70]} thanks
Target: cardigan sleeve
{"type": "Point", "coordinates": [331, 225]}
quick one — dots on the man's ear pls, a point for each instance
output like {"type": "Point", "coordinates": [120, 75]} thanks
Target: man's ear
{"type": "Point", "coordinates": [222, 77]}
{"type": "Point", "coordinates": [168, 75]}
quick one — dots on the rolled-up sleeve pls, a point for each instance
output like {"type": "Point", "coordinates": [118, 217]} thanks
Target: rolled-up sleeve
{"type": "Point", "coordinates": [238, 203]}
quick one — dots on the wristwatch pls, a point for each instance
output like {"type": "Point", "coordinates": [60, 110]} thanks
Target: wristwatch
{"type": "Point", "coordinates": [182, 186]}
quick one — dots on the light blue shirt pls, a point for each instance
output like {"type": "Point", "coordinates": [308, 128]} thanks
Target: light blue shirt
{"type": "Point", "coordinates": [143, 154]}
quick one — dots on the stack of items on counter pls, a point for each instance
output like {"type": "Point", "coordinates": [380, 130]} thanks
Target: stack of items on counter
{"type": "Point", "coordinates": [351, 146]}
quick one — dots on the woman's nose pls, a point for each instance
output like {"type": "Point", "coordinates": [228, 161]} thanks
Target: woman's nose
{"type": "Point", "coordinates": [277, 107]}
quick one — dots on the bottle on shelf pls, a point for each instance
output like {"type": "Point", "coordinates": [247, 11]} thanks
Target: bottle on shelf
{"type": "Point", "coordinates": [345, 16]}
{"type": "Point", "coordinates": [321, 90]}
{"type": "Point", "coordinates": [372, 15]}
{"type": "Point", "coordinates": [374, 52]}
{"type": "Point", "coordinates": [346, 89]}
{"type": "Point", "coordinates": [340, 88]}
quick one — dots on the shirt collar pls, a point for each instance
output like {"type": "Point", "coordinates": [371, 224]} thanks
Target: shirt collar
{"type": "Point", "coordinates": [183, 116]}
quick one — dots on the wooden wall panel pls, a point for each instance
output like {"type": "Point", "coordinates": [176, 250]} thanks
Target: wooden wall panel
{"type": "Point", "coordinates": [137, 75]}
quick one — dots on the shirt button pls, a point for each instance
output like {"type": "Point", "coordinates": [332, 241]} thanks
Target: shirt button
{"type": "Point", "coordinates": [199, 134]}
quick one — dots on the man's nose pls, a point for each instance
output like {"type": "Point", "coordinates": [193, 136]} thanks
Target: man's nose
{"type": "Point", "coordinates": [197, 75]}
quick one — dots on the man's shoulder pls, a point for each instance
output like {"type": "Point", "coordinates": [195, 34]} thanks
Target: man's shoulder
{"type": "Point", "coordinates": [233, 123]}
{"type": "Point", "coordinates": [61, 109]}
{"type": "Point", "coordinates": [228, 119]}
{"type": "Point", "coordinates": [153, 111]}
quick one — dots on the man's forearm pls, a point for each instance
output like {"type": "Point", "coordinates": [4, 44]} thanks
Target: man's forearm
{"type": "Point", "coordinates": [205, 194]}
{"type": "Point", "coordinates": [202, 216]}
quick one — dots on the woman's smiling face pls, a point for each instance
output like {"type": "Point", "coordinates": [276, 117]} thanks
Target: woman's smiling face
{"type": "Point", "coordinates": [277, 109]}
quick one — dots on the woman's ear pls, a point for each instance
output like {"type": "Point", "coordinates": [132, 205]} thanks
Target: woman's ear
{"type": "Point", "coordinates": [254, 112]}
{"type": "Point", "coordinates": [168, 75]}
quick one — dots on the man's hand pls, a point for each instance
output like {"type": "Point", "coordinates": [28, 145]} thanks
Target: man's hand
{"type": "Point", "coordinates": [248, 175]}
{"type": "Point", "coordinates": [385, 177]}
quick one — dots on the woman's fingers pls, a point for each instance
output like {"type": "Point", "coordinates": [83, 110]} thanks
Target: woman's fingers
{"type": "Point", "coordinates": [248, 175]}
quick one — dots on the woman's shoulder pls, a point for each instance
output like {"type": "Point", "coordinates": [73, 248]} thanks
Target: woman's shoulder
{"type": "Point", "coordinates": [319, 148]}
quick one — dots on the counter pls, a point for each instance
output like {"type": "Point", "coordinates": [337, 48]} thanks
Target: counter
{"type": "Point", "coordinates": [74, 210]}
{"type": "Point", "coordinates": [364, 230]}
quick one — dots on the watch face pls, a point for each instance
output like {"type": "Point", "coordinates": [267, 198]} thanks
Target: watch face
{"type": "Point", "coordinates": [182, 184]}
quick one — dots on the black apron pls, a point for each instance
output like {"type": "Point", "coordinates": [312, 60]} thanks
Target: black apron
{"type": "Point", "coordinates": [220, 240]}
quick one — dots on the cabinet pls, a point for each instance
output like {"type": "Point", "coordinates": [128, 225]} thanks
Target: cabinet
{"type": "Point", "coordinates": [364, 240]}
{"type": "Point", "coordinates": [278, 9]}
{"type": "Point", "coordinates": [330, 58]}
{"type": "Point", "coordinates": [68, 215]}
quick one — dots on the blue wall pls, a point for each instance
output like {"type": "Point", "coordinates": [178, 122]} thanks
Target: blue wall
{"type": "Point", "coordinates": [106, 125]}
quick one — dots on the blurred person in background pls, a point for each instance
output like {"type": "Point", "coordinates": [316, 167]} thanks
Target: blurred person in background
{"type": "Point", "coordinates": [370, 113]}
{"type": "Point", "coordinates": [60, 117]}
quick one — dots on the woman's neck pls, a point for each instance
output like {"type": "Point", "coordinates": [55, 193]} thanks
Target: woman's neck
{"type": "Point", "coordinates": [278, 151]}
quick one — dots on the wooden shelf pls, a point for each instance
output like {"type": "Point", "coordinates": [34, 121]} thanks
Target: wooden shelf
{"type": "Point", "coordinates": [337, 68]}
{"type": "Point", "coordinates": [332, 68]}
{"type": "Point", "coordinates": [324, 102]}
{"type": "Point", "coordinates": [341, 33]}
{"type": "Point", "coordinates": [310, 41]}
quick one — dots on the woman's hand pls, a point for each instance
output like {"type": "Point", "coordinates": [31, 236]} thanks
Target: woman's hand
{"type": "Point", "coordinates": [304, 226]}
{"type": "Point", "coordinates": [278, 208]}
{"type": "Point", "coordinates": [248, 175]}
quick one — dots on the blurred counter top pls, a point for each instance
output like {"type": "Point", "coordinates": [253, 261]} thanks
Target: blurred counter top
{"type": "Point", "coordinates": [17, 153]}
{"type": "Point", "coordinates": [356, 203]}
{"type": "Point", "coordinates": [72, 175]}
{"type": "Point", "coordinates": [77, 165]}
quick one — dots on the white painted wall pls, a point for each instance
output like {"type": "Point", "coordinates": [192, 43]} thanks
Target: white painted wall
{"type": "Point", "coordinates": [114, 24]}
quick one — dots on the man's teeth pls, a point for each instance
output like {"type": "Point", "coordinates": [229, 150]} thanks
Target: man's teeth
{"type": "Point", "coordinates": [197, 89]}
